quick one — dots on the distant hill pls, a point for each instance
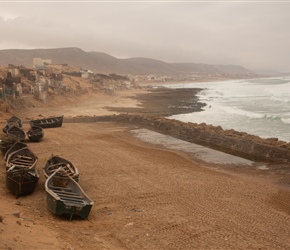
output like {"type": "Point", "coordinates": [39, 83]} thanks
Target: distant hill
{"type": "Point", "coordinates": [103, 63]}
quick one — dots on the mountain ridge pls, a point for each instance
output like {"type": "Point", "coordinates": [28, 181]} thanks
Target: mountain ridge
{"type": "Point", "coordinates": [100, 62]}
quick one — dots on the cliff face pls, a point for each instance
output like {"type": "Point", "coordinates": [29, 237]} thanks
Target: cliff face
{"type": "Point", "coordinates": [229, 141]}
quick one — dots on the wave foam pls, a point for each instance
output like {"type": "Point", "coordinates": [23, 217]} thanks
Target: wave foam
{"type": "Point", "coordinates": [286, 120]}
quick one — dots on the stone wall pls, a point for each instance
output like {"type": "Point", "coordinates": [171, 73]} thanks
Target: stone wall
{"type": "Point", "coordinates": [229, 141]}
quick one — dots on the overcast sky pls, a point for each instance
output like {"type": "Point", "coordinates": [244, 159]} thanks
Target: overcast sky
{"type": "Point", "coordinates": [253, 34]}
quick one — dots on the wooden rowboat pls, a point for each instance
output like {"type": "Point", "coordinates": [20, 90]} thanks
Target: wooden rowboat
{"type": "Point", "coordinates": [52, 122]}
{"type": "Point", "coordinates": [55, 162]}
{"type": "Point", "coordinates": [35, 133]}
{"type": "Point", "coordinates": [21, 180]}
{"type": "Point", "coordinates": [5, 143]}
{"type": "Point", "coordinates": [16, 146]}
{"type": "Point", "coordinates": [16, 133]}
{"type": "Point", "coordinates": [21, 175]}
{"type": "Point", "coordinates": [15, 120]}
{"type": "Point", "coordinates": [66, 197]}
{"type": "Point", "coordinates": [12, 121]}
{"type": "Point", "coordinates": [23, 157]}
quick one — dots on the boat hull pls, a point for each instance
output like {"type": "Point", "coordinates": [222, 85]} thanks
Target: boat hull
{"type": "Point", "coordinates": [53, 122]}
{"type": "Point", "coordinates": [55, 162]}
{"type": "Point", "coordinates": [23, 157]}
{"type": "Point", "coordinates": [6, 144]}
{"type": "Point", "coordinates": [65, 196]}
{"type": "Point", "coordinates": [21, 181]}
{"type": "Point", "coordinates": [16, 133]}
{"type": "Point", "coordinates": [12, 121]}
{"type": "Point", "coordinates": [35, 134]}
{"type": "Point", "coordinates": [16, 146]}
{"type": "Point", "coordinates": [60, 208]}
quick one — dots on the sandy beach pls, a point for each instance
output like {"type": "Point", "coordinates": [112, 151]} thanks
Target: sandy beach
{"type": "Point", "coordinates": [146, 196]}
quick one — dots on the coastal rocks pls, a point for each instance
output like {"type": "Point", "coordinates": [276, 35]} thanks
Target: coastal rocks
{"type": "Point", "coordinates": [229, 141]}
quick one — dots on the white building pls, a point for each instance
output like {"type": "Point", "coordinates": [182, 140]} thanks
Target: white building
{"type": "Point", "coordinates": [38, 62]}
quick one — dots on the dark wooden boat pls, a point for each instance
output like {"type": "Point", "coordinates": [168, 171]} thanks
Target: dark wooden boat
{"type": "Point", "coordinates": [52, 122]}
{"type": "Point", "coordinates": [55, 162]}
{"type": "Point", "coordinates": [16, 133]}
{"type": "Point", "coordinates": [6, 128]}
{"type": "Point", "coordinates": [35, 133]}
{"type": "Point", "coordinates": [15, 120]}
{"type": "Point", "coordinates": [5, 143]}
{"type": "Point", "coordinates": [21, 180]}
{"type": "Point", "coordinates": [23, 157]}
{"type": "Point", "coordinates": [16, 146]}
{"type": "Point", "coordinates": [12, 121]}
{"type": "Point", "coordinates": [65, 196]}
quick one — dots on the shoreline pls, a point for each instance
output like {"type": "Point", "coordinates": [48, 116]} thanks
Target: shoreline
{"type": "Point", "coordinates": [231, 142]}
{"type": "Point", "coordinates": [164, 102]}
{"type": "Point", "coordinates": [146, 196]}
{"type": "Point", "coordinates": [157, 101]}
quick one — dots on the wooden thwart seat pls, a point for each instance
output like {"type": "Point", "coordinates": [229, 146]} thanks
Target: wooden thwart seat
{"type": "Point", "coordinates": [71, 199]}
{"type": "Point", "coordinates": [24, 156]}
{"type": "Point", "coordinates": [74, 203]}
{"type": "Point", "coordinates": [20, 162]}
{"type": "Point", "coordinates": [68, 194]}
{"type": "Point", "coordinates": [60, 188]}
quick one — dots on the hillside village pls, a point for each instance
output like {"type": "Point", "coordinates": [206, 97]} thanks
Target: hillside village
{"type": "Point", "coordinates": [45, 82]}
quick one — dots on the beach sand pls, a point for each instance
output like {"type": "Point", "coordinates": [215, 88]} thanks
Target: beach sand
{"type": "Point", "coordinates": [146, 196]}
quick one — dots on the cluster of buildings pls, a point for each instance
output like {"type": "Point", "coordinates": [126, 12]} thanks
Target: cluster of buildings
{"type": "Point", "coordinates": [20, 80]}
{"type": "Point", "coordinates": [44, 79]}
{"type": "Point", "coordinates": [46, 67]}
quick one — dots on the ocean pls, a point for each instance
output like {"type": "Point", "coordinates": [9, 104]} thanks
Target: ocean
{"type": "Point", "coordinates": [256, 106]}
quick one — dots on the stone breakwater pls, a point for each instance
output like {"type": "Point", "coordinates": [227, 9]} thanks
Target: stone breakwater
{"type": "Point", "coordinates": [229, 141]}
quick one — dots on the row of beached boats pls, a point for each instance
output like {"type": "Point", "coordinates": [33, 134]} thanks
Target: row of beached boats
{"type": "Point", "coordinates": [64, 194]}
{"type": "Point", "coordinates": [14, 130]}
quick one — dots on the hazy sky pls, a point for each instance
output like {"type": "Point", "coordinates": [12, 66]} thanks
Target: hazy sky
{"type": "Point", "coordinates": [253, 34]}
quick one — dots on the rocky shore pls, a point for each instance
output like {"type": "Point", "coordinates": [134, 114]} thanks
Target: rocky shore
{"type": "Point", "coordinates": [164, 102]}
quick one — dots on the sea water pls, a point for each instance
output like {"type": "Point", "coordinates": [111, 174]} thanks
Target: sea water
{"type": "Point", "coordinates": [256, 106]}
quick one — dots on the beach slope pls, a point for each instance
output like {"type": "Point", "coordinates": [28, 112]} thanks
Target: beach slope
{"type": "Point", "coordinates": [145, 196]}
